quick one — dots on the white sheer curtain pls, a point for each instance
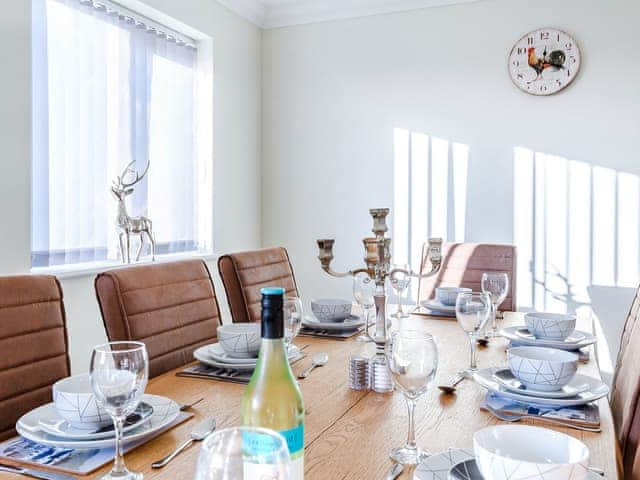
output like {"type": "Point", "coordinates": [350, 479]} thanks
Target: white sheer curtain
{"type": "Point", "coordinates": [108, 89]}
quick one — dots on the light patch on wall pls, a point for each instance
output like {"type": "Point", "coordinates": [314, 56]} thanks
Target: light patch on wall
{"type": "Point", "coordinates": [430, 192]}
{"type": "Point", "coordinates": [575, 225]}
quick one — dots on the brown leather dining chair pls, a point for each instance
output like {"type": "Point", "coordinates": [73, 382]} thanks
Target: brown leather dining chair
{"type": "Point", "coordinates": [463, 265]}
{"type": "Point", "coordinates": [33, 345]}
{"type": "Point", "coordinates": [625, 393]}
{"type": "Point", "coordinates": [245, 273]}
{"type": "Point", "coordinates": [171, 307]}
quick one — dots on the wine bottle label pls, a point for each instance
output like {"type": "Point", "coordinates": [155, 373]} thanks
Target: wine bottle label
{"type": "Point", "coordinates": [258, 449]}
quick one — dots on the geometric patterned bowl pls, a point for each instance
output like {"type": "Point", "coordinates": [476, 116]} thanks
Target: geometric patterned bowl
{"type": "Point", "coordinates": [550, 326]}
{"type": "Point", "coordinates": [542, 369]}
{"type": "Point", "coordinates": [449, 295]}
{"type": "Point", "coordinates": [75, 402]}
{"type": "Point", "coordinates": [240, 340]}
{"type": "Point", "coordinates": [331, 309]}
{"type": "Point", "coordinates": [518, 452]}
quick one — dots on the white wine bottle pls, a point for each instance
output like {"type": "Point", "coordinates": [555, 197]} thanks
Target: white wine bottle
{"type": "Point", "coordinates": [273, 399]}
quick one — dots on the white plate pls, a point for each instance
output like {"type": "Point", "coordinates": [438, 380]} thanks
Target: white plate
{"type": "Point", "coordinates": [438, 307]}
{"type": "Point", "coordinates": [202, 355]}
{"type": "Point", "coordinates": [217, 353]}
{"type": "Point", "coordinates": [597, 389]}
{"type": "Point", "coordinates": [437, 467]}
{"type": "Point", "coordinates": [52, 423]}
{"type": "Point", "coordinates": [165, 411]}
{"type": "Point", "coordinates": [350, 323]}
{"type": "Point", "coordinates": [575, 341]}
{"type": "Point", "coordinates": [577, 385]}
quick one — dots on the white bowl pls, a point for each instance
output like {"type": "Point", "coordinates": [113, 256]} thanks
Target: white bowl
{"type": "Point", "coordinates": [542, 369]}
{"type": "Point", "coordinates": [331, 309]}
{"type": "Point", "coordinates": [75, 402]}
{"type": "Point", "coordinates": [550, 326]}
{"type": "Point", "coordinates": [518, 452]}
{"type": "Point", "coordinates": [448, 295]}
{"type": "Point", "coordinates": [240, 340]}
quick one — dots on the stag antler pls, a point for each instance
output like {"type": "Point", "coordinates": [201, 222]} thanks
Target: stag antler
{"type": "Point", "coordinates": [128, 169]}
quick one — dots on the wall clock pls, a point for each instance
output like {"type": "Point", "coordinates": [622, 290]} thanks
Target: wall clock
{"type": "Point", "coordinates": [544, 61]}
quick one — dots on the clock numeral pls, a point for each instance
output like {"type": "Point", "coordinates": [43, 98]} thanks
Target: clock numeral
{"type": "Point", "coordinates": [520, 76]}
{"type": "Point", "coordinates": [559, 83]}
{"type": "Point", "coordinates": [531, 41]}
{"type": "Point", "coordinates": [573, 59]}
{"type": "Point", "coordinates": [516, 63]}
{"type": "Point", "coordinates": [568, 72]}
{"type": "Point", "coordinates": [558, 38]}
{"type": "Point", "coordinates": [568, 46]}
{"type": "Point", "coordinates": [544, 35]}
{"type": "Point", "coordinates": [543, 88]}
{"type": "Point", "coordinates": [522, 50]}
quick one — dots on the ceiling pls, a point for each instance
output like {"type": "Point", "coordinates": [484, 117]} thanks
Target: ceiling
{"type": "Point", "coordinates": [281, 13]}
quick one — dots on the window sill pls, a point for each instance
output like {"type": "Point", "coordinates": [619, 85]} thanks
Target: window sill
{"type": "Point", "coordinates": [93, 268]}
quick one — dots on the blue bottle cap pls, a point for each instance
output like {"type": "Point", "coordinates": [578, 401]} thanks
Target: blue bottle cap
{"type": "Point", "coordinates": [272, 291]}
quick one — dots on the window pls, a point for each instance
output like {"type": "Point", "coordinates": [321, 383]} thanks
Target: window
{"type": "Point", "coordinates": [110, 88]}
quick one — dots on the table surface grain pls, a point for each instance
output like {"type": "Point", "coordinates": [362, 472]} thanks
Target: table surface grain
{"type": "Point", "coordinates": [348, 434]}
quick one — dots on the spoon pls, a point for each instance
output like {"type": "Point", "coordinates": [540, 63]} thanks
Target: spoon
{"type": "Point", "coordinates": [450, 389]}
{"type": "Point", "coordinates": [318, 360]}
{"type": "Point", "coordinates": [202, 431]}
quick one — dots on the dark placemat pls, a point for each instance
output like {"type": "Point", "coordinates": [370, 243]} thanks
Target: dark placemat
{"type": "Point", "coordinates": [335, 334]}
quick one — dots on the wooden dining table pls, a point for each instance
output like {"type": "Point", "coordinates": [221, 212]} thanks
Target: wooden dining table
{"type": "Point", "coordinates": [348, 433]}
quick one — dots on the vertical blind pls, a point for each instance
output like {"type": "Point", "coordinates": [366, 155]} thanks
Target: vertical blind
{"type": "Point", "coordinates": [109, 89]}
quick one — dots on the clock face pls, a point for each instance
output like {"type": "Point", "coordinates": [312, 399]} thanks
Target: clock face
{"type": "Point", "coordinates": [544, 61]}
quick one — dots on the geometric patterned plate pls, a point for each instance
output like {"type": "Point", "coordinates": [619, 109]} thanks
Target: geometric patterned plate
{"type": "Point", "coordinates": [217, 353]}
{"type": "Point", "coordinates": [597, 389]}
{"type": "Point", "coordinates": [467, 470]}
{"type": "Point", "coordinates": [165, 411]}
{"type": "Point", "coordinates": [203, 355]}
{"type": "Point", "coordinates": [578, 384]}
{"type": "Point", "coordinates": [438, 467]}
{"type": "Point", "coordinates": [350, 323]}
{"type": "Point", "coordinates": [577, 340]}
{"type": "Point", "coordinates": [438, 307]}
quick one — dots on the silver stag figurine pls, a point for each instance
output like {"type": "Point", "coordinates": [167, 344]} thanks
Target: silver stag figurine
{"type": "Point", "coordinates": [127, 225]}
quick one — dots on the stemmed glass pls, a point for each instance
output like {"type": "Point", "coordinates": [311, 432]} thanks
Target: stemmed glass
{"type": "Point", "coordinates": [496, 284]}
{"type": "Point", "coordinates": [400, 283]}
{"type": "Point", "coordinates": [244, 453]}
{"type": "Point", "coordinates": [119, 373]}
{"type": "Point", "coordinates": [292, 307]}
{"type": "Point", "coordinates": [363, 290]}
{"type": "Point", "coordinates": [412, 357]}
{"type": "Point", "coordinates": [472, 313]}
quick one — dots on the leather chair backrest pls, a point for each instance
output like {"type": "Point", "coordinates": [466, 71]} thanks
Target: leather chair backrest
{"type": "Point", "coordinates": [625, 393]}
{"type": "Point", "coordinates": [33, 345]}
{"type": "Point", "coordinates": [171, 307]}
{"type": "Point", "coordinates": [463, 265]}
{"type": "Point", "coordinates": [245, 273]}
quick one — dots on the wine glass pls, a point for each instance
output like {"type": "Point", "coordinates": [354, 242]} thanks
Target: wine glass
{"type": "Point", "coordinates": [412, 358]}
{"type": "Point", "coordinates": [292, 307]}
{"type": "Point", "coordinates": [496, 284]}
{"type": "Point", "coordinates": [244, 452]}
{"type": "Point", "coordinates": [400, 281]}
{"type": "Point", "coordinates": [472, 313]}
{"type": "Point", "coordinates": [363, 290]}
{"type": "Point", "coordinates": [119, 373]}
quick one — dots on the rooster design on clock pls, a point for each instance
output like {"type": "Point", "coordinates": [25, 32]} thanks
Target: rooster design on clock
{"type": "Point", "coordinates": [544, 61]}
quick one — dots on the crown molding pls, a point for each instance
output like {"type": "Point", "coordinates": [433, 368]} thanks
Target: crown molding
{"type": "Point", "coordinates": [253, 10]}
{"type": "Point", "coordinates": [281, 13]}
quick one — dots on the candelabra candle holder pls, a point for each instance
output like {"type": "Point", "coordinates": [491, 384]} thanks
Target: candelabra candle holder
{"type": "Point", "coordinates": [378, 260]}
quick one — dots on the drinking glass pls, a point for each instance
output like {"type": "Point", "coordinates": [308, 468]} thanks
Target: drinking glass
{"type": "Point", "coordinates": [244, 453]}
{"type": "Point", "coordinates": [496, 284]}
{"type": "Point", "coordinates": [412, 358]}
{"type": "Point", "coordinates": [119, 373]}
{"type": "Point", "coordinates": [472, 313]}
{"type": "Point", "coordinates": [363, 290]}
{"type": "Point", "coordinates": [292, 307]}
{"type": "Point", "coordinates": [400, 283]}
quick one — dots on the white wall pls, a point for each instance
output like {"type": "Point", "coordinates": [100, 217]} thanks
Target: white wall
{"type": "Point", "coordinates": [236, 150]}
{"type": "Point", "coordinates": [334, 92]}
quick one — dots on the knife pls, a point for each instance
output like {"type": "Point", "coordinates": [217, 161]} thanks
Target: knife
{"type": "Point", "coordinates": [33, 473]}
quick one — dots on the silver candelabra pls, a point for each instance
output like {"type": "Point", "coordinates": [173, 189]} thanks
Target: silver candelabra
{"type": "Point", "coordinates": [378, 266]}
